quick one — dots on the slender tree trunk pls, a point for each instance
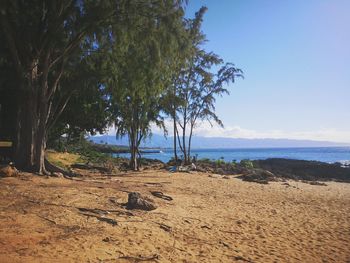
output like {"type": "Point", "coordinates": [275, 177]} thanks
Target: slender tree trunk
{"type": "Point", "coordinates": [133, 152]}
{"type": "Point", "coordinates": [189, 143]}
{"type": "Point", "coordinates": [174, 119]}
{"type": "Point", "coordinates": [133, 138]}
{"type": "Point", "coordinates": [175, 150]}
{"type": "Point", "coordinates": [184, 140]}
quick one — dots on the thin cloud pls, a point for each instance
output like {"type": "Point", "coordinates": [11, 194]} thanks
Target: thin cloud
{"type": "Point", "coordinates": [206, 130]}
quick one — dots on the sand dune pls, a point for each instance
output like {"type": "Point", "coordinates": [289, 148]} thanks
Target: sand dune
{"type": "Point", "coordinates": [210, 219]}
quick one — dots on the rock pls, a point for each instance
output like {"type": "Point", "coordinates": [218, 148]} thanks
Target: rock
{"type": "Point", "coordinates": [314, 183]}
{"type": "Point", "coordinates": [304, 170]}
{"type": "Point", "coordinates": [137, 201]}
{"type": "Point", "coordinates": [258, 176]}
{"type": "Point", "coordinates": [184, 169]}
{"type": "Point", "coordinates": [8, 171]}
{"type": "Point", "coordinates": [57, 174]}
{"type": "Point", "coordinates": [193, 167]}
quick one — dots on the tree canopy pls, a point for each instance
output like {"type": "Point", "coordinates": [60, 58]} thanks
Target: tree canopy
{"type": "Point", "coordinates": [78, 66]}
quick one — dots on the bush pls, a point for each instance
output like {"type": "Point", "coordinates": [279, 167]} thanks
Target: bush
{"type": "Point", "coordinates": [247, 164]}
{"type": "Point", "coordinates": [219, 162]}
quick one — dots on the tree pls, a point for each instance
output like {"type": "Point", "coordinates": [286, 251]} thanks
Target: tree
{"type": "Point", "coordinates": [170, 101]}
{"type": "Point", "coordinates": [42, 36]}
{"type": "Point", "coordinates": [141, 69]}
{"type": "Point", "coordinates": [198, 85]}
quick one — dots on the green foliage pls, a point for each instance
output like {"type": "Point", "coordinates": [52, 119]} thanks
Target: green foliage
{"type": "Point", "coordinates": [247, 163]}
{"type": "Point", "coordinates": [79, 66]}
{"type": "Point", "coordinates": [219, 162]}
{"type": "Point", "coordinates": [139, 70]}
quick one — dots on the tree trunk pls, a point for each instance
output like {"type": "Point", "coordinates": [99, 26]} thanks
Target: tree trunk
{"type": "Point", "coordinates": [30, 142]}
{"type": "Point", "coordinates": [175, 150]}
{"type": "Point", "coordinates": [133, 149]}
{"type": "Point", "coordinates": [189, 143]}
{"type": "Point", "coordinates": [184, 141]}
{"type": "Point", "coordinates": [31, 138]}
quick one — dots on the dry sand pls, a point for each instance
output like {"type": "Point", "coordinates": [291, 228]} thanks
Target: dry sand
{"type": "Point", "coordinates": [211, 219]}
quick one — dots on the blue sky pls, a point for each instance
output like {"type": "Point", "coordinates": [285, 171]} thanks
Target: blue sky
{"type": "Point", "coordinates": [296, 59]}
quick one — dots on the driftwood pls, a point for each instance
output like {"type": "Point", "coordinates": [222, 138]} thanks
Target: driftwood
{"type": "Point", "coordinates": [103, 219]}
{"type": "Point", "coordinates": [241, 259]}
{"type": "Point", "coordinates": [141, 258]}
{"type": "Point", "coordinates": [48, 219]}
{"type": "Point", "coordinates": [165, 227]}
{"type": "Point", "coordinates": [161, 195]}
{"type": "Point", "coordinates": [94, 210]}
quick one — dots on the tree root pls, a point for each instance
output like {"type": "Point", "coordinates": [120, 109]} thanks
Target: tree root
{"type": "Point", "coordinates": [50, 169]}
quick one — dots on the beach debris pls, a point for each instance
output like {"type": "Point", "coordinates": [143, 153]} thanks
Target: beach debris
{"type": "Point", "coordinates": [113, 200]}
{"type": "Point", "coordinates": [314, 183]}
{"type": "Point", "coordinates": [141, 258]}
{"type": "Point", "coordinates": [165, 227]}
{"type": "Point", "coordinates": [8, 171]}
{"type": "Point", "coordinates": [193, 167]}
{"type": "Point", "coordinates": [172, 169]}
{"type": "Point", "coordinates": [241, 258]}
{"type": "Point", "coordinates": [102, 218]}
{"type": "Point", "coordinates": [184, 169]}
{"type": "Point", "coordinates": [224, 244]}
{"type": "Point", "coordinates": [161, 195]}
{"type": "Point", "coordinates": [94, 210]}
{"type": "Point", "coordinates": [137, 201]}
{"type": "Point", "coordinates": [106, 239]}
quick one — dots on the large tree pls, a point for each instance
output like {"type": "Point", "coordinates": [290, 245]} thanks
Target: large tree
{"type": "Point", "coordinates": [42, 36]}
{"type": "Point", "coordinates": [141, 69]}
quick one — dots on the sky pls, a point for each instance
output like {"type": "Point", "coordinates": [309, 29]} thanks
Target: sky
{"type": "Point", "coordinates": [295, 55]}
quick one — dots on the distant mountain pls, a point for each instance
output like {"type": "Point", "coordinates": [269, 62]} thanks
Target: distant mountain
{"type": "Point", "coordinates": [198, 142]}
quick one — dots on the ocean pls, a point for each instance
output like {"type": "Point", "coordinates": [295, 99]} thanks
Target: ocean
{"type": "Point", "coordinates": [323, 154]}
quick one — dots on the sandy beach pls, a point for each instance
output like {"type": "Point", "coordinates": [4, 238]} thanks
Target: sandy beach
{"type": "Point", "coordinates": [210, 219]}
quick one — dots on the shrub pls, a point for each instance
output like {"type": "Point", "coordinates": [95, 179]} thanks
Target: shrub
{"type": "Point", "coordinates": [247, 164]}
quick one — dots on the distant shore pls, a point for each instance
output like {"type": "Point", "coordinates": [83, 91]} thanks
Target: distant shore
{"type": "Point", "coordinates": [322, 154]}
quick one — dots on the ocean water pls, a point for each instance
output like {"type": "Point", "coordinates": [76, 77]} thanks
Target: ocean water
{"type": "Point", "coordinates": [323, 154]}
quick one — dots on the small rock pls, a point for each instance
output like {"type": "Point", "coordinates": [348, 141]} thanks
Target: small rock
{"type": "Point", "coordinates": [106, 239]}
{"type": "Point", "coordinates": [8, 171]}
{"type": "Point", "coordinates": [58, 174]}
{"type": "Point", "coordinates": [193, 167]}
